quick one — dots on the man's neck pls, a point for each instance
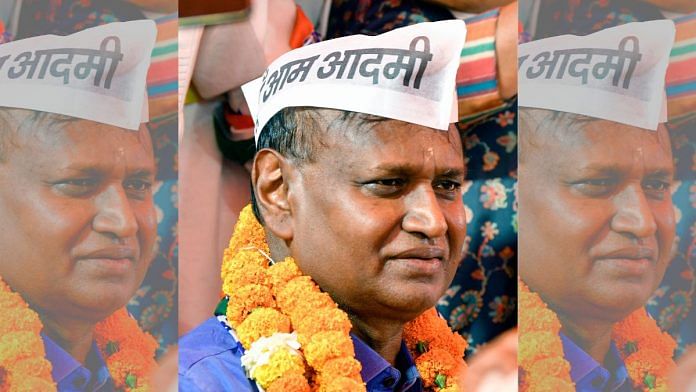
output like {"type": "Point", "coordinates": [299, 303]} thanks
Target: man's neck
{"type": "Point", "coordinates": [74, 336]}
{"type": "Point", "coordinates": [593, 336]}
{"type": "Point", "coordinates": [383, 336]}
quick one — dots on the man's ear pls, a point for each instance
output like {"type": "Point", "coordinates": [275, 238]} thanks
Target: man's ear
{"type": "Point", "coordinates": [269, 178]}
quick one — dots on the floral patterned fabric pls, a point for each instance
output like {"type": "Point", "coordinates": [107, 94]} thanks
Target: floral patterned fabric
{"type": "Point", "coordinates": [62, 17]}
{"type": "Point", "coordinates": [372, 17]}
{"type": "Point", "coordinates": [673, 305]}
{"type": "Point", "coordinates": [581, 17]}
{"type": "Point", "coordinates": [482, 300]}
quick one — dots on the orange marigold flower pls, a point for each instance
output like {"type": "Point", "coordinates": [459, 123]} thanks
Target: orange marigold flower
{"type": "Point", "coordinates": [249, 274]}
{"type": "Point", "coordinates": [31, 384]}
{"type": "Point", "coordinates": [435, 361]}
{"type": "Point", "coordinates": [261, 322]}
{"type": "Point", "coordinates": [290, 382]}
{"type": "Point", "coordinates": [551, 367]}
{"type": "Point", "coordinates": [327, 345]}
{"type": "Point", "coordinates": [647, 361]}
{"type": "Point", "coordinates": [121, 327]}
{"type": "Point", "coordinates": [342, 384]}
{"type": "Point", "coordinates": [248, 232]}
{"type": "Point", "coordinates": [639, 330]}
{"type": "Point", "coordinates": [340, 367]}
{"type": "Point", "coordinates": [302, 294]}
{"type": "Point", "coordinates": [541, 320]}
{"type": "Point", "coordinates": [280, 274]}
{"type": "Point", "coordinates": [33, 367]}
{"type": "Point", "coordinates": [432, 330]}
{"type": "Point", "coordinates": [20, 344]}
{"type": "Point", "coordinates": [322, 319]}
{"type": "Point", "coordinates": [246, 299]}
{"type": "Point", "coordinates": [19, 319]}
{"type": "Point", "coordinates": [130, 362]}
{"type": "Point", "coordinates": [549, 384]}
{"type": "Point", "coordinates": [538, 345]}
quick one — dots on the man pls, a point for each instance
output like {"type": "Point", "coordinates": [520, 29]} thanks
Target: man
{"type": "Point", "coordinates": [80, 225]}
{"type": "Point", "coordinates": [367, 205]}
{"type": "Point", "coordinates": [597, 220]}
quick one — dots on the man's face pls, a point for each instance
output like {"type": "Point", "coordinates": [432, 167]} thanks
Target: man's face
{"type": "Point", "coordinates": [596, 218]}
{"type": "Point", "coordinates": [378, 217]}
{"type": "Point", "coordinates": [79, 222]}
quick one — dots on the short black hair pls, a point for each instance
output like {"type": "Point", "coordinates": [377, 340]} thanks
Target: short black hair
{"type": "Point", "coordinates": [537, 124]}
{"type": "Point", "coordinates": [297, 133]}
{"type": "Point", "coordinates": [14, 121]}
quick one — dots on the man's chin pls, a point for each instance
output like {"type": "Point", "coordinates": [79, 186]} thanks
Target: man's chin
{"type": "Point", "coordinates": [617, 303]}
{"type": "Point", "coordinates": [414, 299]}
{"type": "Point", "coordinates": [103, 301]}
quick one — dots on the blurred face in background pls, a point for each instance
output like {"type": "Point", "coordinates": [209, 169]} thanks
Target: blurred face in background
{"type": "Point", "coordinates": [596, 216]}
{"type": "Point", "coordinates": [76, 203]}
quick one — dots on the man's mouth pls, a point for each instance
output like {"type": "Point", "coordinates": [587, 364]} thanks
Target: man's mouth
{"type": "Point", "coordinates": [116, 259]}
{"type": "Point", "coordinates": [421, 261]}
{"type": "Point", "coordinates": [632, 261]}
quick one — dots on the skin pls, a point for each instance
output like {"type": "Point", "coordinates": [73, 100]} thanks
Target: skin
{"type": "Point", "coordinates": [684, 376]}
{"type": "Point", "coordinates": [355, 218]}
{"type": "Point", "coordinates": [598, 223]}
{"type": "Point", "coordinates": [77, 200]}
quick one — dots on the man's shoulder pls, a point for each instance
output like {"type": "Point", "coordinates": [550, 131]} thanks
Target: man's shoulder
{"type": "Point", "coordinates": [210, 359]}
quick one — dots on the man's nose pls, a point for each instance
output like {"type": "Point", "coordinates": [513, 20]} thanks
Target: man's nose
{"type": "Point", "coordinates": [424, 214]}
{"type": "Point", "coordinates": [634, 215]}
{"type": "Point", "coordinates": [115, 213]}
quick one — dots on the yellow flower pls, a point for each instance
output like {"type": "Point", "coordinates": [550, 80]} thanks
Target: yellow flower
{"type": "Point", "coordinates": [281, 362]}
{"type": "Point", "coordinates": [261, 322]}
{"type": "Point", "coordinates": [19, 344]}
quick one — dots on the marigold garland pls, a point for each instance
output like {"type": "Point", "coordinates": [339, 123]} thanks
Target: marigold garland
{"type": "Point", "coordinates": [645, 349]}
{"type": "Point", "coordinates": [128, 351]}
{"type": "Point", "coordinates": [269, 300]}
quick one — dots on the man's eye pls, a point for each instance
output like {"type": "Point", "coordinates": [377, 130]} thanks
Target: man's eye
{"type": "Point", "coordinates": [595, 187]}
{"type": "Point", "coordinates": [79, 182]}
{"type": "Point", "coordinates": [138, 185]}
{"type": "Point", "coordinates": [77, 186]}
{"type": "Point", "coordinates": [449, 186]}
{"type": "Point", "coordinates": [390, 182]}
{"type": "Point", "coordinates": [656, 185]}
{"type": "Point", "coordinates": [385, 186]}
{"type": "Point", "coordinates": [656, 189]}
{"type": "Point", "coordinates": [598, 182]}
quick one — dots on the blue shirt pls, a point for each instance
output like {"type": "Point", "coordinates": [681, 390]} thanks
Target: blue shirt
{"type": "Point", "coordinates": [71, 376]}
{"type": "Point", "coordinates": [210, 360]}
{"type": "Point", "coordinates": [590, 376]}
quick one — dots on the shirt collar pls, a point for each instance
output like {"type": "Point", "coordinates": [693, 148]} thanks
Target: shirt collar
{"type": "Point", "coordinates": [377, 370]}
{"type": "Point", "coordinates": [64, 367]}
{"type": "Point", "coordinates": [584, 368]}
